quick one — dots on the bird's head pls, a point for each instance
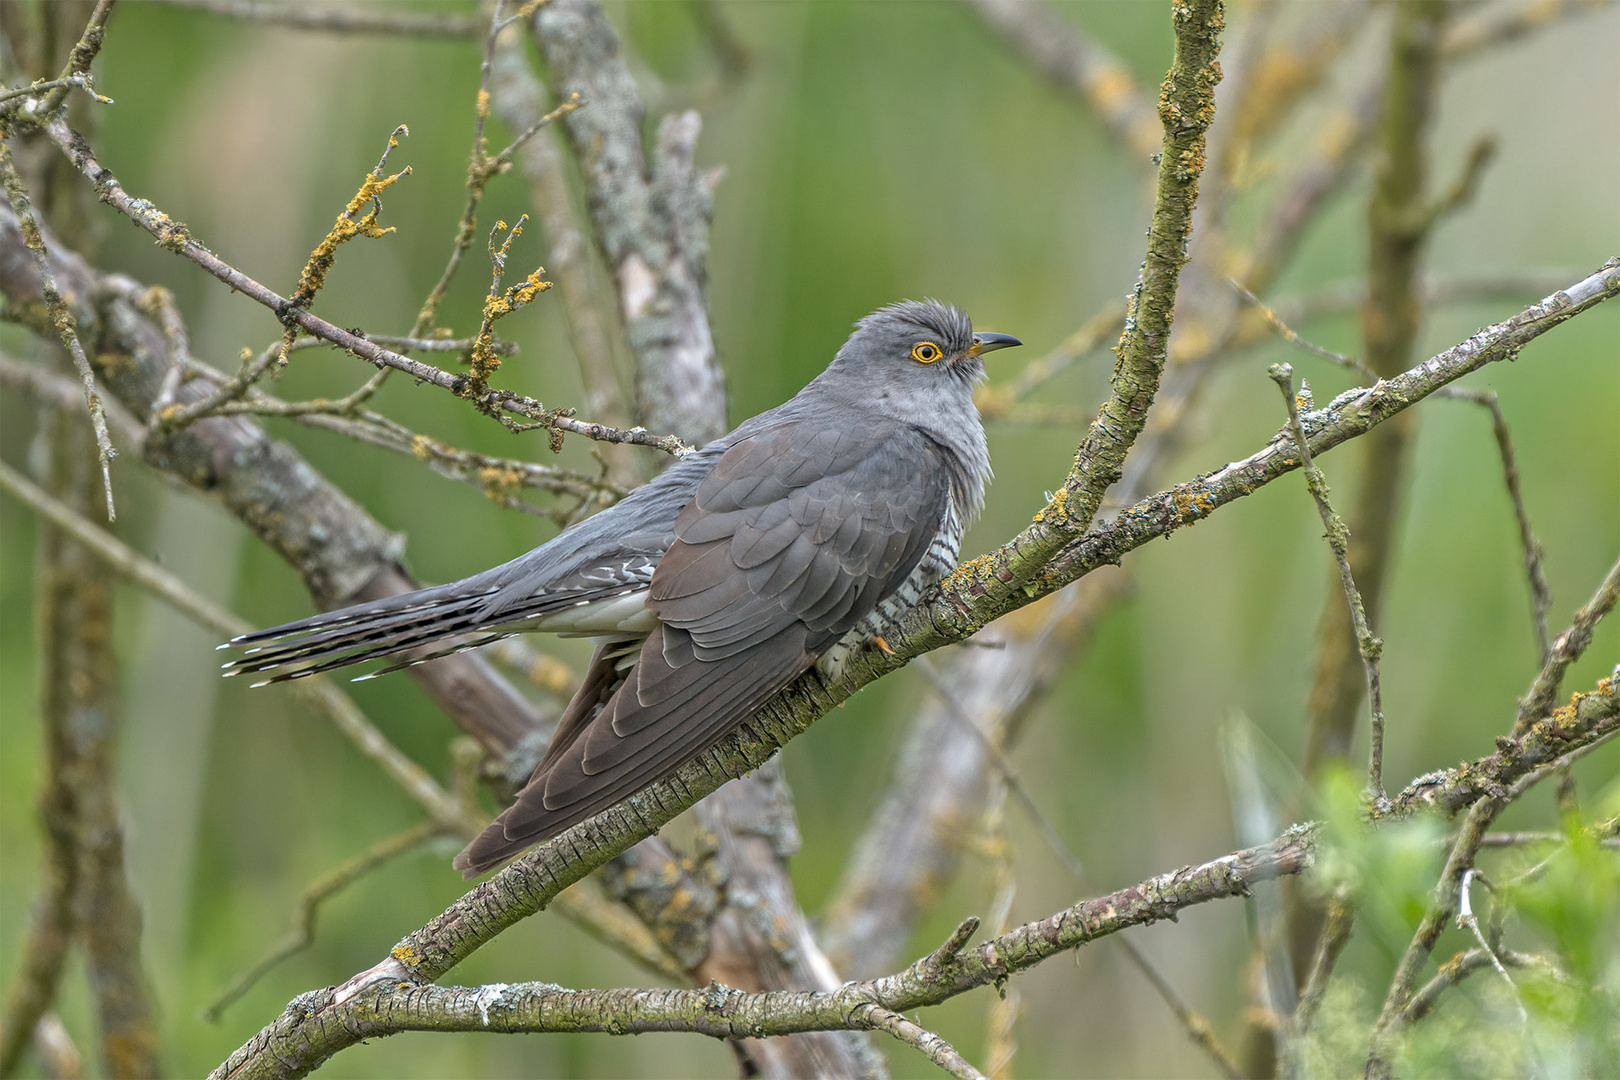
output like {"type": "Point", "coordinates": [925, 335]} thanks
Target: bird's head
{"type": "Point", "coordinates": [918, 344]}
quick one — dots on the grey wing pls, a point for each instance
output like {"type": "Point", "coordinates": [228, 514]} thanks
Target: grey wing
{"type": "Point", "coordinates": [792, 539]}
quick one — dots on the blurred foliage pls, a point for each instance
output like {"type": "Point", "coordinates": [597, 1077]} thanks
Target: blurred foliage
{"type": "Point", "coordinates": [872, 152]}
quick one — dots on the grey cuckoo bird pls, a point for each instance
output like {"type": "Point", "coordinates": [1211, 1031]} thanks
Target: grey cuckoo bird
{"type": "Point", "coordinates": [782, 545]}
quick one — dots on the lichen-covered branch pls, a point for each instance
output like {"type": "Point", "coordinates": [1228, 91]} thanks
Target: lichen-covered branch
{"type": "Point", "coordinates": [1589, 718]}
{"type": "Point", "coordinates": [305, 1036]}
{"type": "Point", "coordinates": [1566, 650]}
{"type": "Point", "coordinates": [1338, 537]}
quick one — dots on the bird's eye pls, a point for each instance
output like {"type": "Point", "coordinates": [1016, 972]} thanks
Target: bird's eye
{"type": "Point", "coordinates": [925, 352]}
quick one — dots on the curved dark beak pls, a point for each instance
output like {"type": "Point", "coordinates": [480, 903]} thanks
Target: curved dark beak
{"type": "Point", "coordinates": [987, 342]}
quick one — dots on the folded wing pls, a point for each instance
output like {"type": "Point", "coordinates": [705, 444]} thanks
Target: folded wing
{"type": "Point", "coordinates": [793, 538]}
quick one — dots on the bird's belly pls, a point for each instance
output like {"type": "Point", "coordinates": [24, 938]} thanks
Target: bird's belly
{"type": "Point", "coordinates": [626, 613]}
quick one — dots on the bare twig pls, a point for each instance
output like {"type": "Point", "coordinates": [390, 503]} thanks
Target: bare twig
{"type": "Point", "coordinates": [53, 922]}
{"type": "Point", "coordinates": [82, 55]}
{"type": "Point", "coordinates": [1288, 334]}
{"type": "Point", "coordinates": [60, 315]}
{"type": "Point", "coordinates": [63, 392]}
{"type": "Point", "coordinates": [1566, 649]}
{"type": "Point", "coordinates": [520, 100]}
{"type": "Point", "coordinates": [1338, 539]}
{"type": "Point", "coordinates": [1468, 921]}
{"type": "Point", "coordinates": [83, 818]}
{"type": "Point", "coordinates": [1464, 964]}
{"type": "Point", "coordinates": [1198, 1029]}
{"type": "Point", "coordinates": [995, 401]}
{"type": "Point", "coordinates": [318, 892]}
{"type": "Point", "coordinates": [481, 168]}
{"type": "Point", "coordinates": [1341, 914]}
{"type": "Point", "coordinates": [1399, 225]}
{"type": "Point", "coordinates": [352, 19]}
{"type": "Point", "coordinates": [1442, 906]}
{"type": "Point", "coordinates": [1603, 833]}
{"type": "Point", "coordinates": [1540, 592]}
{"type": "Point", "coordinates": [925, 1042]}
{"type": "Point", "coordinates": [82, 82]}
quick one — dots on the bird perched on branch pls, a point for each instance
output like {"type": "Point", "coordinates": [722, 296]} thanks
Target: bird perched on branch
{"type": "Point", "coordinates": [785, 544]}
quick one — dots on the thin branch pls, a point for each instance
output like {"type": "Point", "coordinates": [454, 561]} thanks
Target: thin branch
{"type": "Point", "coordinates": [1464, 964]}
{"type": "Point", "coordinates": [341, 20]}
{"type": "Point", "coordinates": [84, 821]}
{"type": "Point", "coordinates": [1198, 1029]}
{"type": "Point", "coordinates": [1186, 109]}
{"type": "Point", "coordinates": [925, 1042]}
{"type": "Point", "coordinates": [302, 935]}
{"type": "Point", "coordinates": [1338, 538]}
{"type": "Point", "coordinates": [17, 195]}
{"type": "Point", "coordinates": [995, 401]}
{"type": "Point", "coordinates": [65, 392]}
{"type": "Point", "coordinates": [1468, 921]}
{"type": "Point", "coordinates": [81, 56]}
{"type": "Point", "coordinates": [1341, 916]}
{"type": "Point", "coordinates": [82, 82]}
{"type": "Point", "coordinates": [1288, 334]}
{"type": "Point", "coordinates": [1566, 649]}
{"type": "Point", "coordinates": [1197, 1026]}
{"type": "Point", "coordinates": [1442, 906]}
{"type": "Point", "coordinates": [301, 1039]}
{"type": "Point", "coordinates": [54, 921]}
{"type": "Point", "coordinates": [519, 99]}
{"type": "Point", "coordinates": [481, 168]}
{"type": "Point", "coordinates": [1540, 592]}
{"type": "Point", "coordinates": [1399, 225]}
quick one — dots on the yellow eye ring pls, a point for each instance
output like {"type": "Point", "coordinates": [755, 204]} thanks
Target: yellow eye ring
{"type": "Point", "coordinates": [925, 352]}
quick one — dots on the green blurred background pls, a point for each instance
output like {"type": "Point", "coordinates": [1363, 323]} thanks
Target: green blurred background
{"type": "Point", "coordinates": [873, 151]}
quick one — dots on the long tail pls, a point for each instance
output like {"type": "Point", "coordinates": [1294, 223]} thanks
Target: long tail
{"type": "Point", "coordinates": [377, 628]}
